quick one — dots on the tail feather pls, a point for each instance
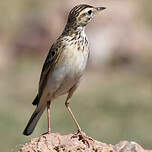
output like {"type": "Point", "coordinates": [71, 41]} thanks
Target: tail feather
{"type": "Point", "coordinates": [36, 100]}
{"type": "Point", "coordinates": [33, 121]}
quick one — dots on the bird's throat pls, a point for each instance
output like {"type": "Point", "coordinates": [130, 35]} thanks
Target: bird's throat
{"type": "Point", "coordinates": [73, 30]}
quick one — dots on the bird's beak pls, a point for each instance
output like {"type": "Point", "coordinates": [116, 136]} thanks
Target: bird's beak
{"type": "Point", "coordinates": [99, 9]}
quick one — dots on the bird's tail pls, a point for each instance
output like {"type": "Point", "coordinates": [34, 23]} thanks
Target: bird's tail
{"type": "Point", "coordinates": [33, 120]}
{"type": "Point", "coordinates": [36, 101]}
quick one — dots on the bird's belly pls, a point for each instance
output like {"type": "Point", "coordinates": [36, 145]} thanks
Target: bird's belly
{"type": "Point", "coordinates": [67, 72]}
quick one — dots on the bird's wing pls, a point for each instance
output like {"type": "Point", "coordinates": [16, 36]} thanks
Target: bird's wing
{"type": "Point", "coordinates": [50, 62]}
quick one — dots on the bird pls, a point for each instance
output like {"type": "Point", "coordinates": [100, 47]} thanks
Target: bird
{"type": "Point", "coordinates": [64, 65]}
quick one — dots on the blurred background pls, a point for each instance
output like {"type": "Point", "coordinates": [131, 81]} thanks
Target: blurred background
{"type": "Point", "coordinates": [114, 100]}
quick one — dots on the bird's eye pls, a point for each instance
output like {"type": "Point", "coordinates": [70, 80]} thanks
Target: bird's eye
{"type": "Point", "coordinates": [89, 12]}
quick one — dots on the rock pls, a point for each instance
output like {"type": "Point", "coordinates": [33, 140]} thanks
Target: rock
{"type": "Point", "coordinates": [55, 142]}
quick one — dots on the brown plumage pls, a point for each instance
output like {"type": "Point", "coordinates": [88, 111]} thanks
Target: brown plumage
{"type": "Point", "coordinates": [64, 65]}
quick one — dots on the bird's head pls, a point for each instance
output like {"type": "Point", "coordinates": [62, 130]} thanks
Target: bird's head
{"type": "Point", "coordinates": [82, 14]}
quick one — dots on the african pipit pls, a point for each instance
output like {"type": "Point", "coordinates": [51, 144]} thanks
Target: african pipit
{"type": "Point", "coordinates": [64, 65]}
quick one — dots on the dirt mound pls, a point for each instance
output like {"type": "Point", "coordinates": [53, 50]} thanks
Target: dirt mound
{"type": "Point", "coordinates": [55, 142]}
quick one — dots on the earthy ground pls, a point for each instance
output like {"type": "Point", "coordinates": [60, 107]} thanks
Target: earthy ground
{"type": "Point", "coordinates": [74, 143]}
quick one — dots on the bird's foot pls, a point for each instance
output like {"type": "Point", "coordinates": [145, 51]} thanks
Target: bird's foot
{"type": "Point", "coordinates": [82, 136]}
{"type": "Point", "coordinates": [48, 132]}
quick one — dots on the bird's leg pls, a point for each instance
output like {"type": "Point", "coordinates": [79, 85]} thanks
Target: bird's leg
{"type": "Point", "coordinates": [48, 116]}
{"type": "Point", "coordinates": [74, 119]}
{"type": "Point", "coordinates": [67, 105]}
{"type": "Point", "coordinates": [79, 134]}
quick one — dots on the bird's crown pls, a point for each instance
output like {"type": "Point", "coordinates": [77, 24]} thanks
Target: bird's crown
{"type": "Point", "coordinates": [82, 14]}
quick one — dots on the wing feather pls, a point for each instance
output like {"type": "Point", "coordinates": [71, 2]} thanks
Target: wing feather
{"type": "Point", "coordinates": [49, 64]}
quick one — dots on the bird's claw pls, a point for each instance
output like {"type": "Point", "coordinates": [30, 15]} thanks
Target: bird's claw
{"type": "Point", "coordinates": [82, 136]}
{"type": "Point", "coordinates": [48, 132]}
